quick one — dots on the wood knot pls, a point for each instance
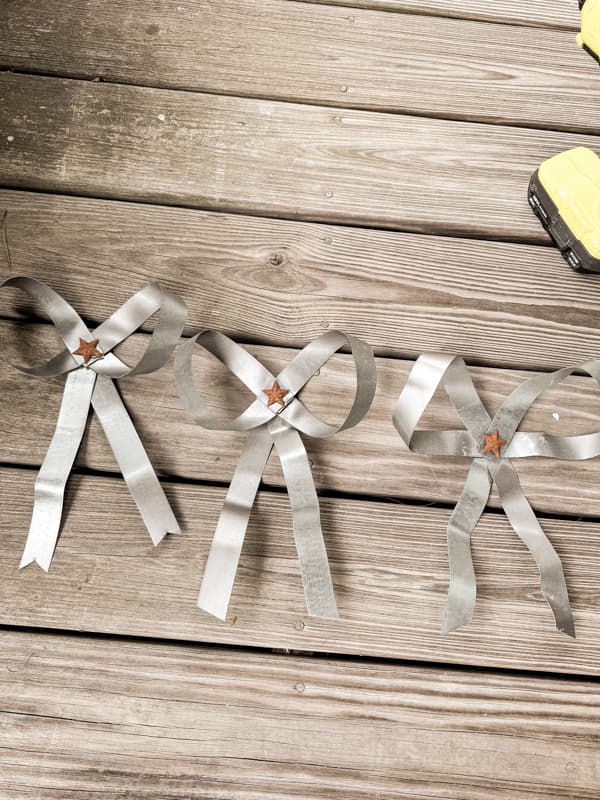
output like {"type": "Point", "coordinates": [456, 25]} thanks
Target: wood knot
{"type": "Point", "coordinates": [277, 259]}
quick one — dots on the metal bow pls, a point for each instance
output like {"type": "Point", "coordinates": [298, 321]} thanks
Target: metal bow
{"type": "Point", "coordinates": [275, 418]}
{"type": "Point", "coordinates": [491, 443]}
{"type": "Point", "coordinates": [91, 368]}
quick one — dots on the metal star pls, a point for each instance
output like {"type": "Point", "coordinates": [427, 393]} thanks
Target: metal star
{"type": "Point", "coordinates": [493, 443]}
{"type": "Point", "coordinates": [276, 395]}
{"type": "Point", "coordinates": [88, 350]}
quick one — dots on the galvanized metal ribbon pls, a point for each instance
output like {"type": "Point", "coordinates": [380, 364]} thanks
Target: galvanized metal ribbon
{"type": "Point", "coordinates": [491, 443]}
{"type": "Point", "coordinates": [91, 368]}
{"type": "Point", "coordinates": [275, 418]}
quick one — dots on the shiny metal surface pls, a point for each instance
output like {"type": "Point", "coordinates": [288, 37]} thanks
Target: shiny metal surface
{"type": "Point", "coordinates": [280, 427]}
{"type": "Point", "coordinates": [429, 372]}
{"type": "Point", "coordinates": [92, 384]}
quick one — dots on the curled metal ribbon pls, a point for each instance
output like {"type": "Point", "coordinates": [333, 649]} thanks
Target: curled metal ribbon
{"type": "Point", "coordinates": [91, 368]}
{"type": "Point", "coordinates": [275, 418]}
{"type": "Point", "coordinates": [491, 442]}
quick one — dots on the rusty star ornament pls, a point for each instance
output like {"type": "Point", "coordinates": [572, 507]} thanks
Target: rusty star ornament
{"type": "Point", "coordinates": [276, 395]}
{"type": "Point", "coordinates": [88, 350]}
{"type": "Point", "coordinates": [493, 443]}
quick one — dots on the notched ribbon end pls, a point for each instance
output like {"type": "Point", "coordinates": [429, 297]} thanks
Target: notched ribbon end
{"type": "Point", "coordinates": [42, 563]}
{"type": "Point", "coordinates": [158, 534]}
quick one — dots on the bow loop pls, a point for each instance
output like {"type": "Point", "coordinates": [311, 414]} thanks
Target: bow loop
{"type": "Point", "coordinates": [243, 365]}
{"type": "Point", "coordinates": [259, 380]}
{"type": "Point", "coordinates": [106, 336]}
{"type": "Point", "coordinates": [68, 323]}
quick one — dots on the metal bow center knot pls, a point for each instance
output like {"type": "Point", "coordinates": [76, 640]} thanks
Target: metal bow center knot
{"type": "Point", "coordinates": [91, 368]}
{"type": "Point", "coordinates": [88, 350]}
{"type": "Point", "coordinates": [491, 443]}
{"type": "Point", "coordinates": [276, 395]}
{"type": "Point", "coordinates": [276, 418]}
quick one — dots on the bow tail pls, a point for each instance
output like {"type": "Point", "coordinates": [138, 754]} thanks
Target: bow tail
{"type": "Point", "coordinates": [523, 520]}
{"type": "Point", "coordinates": [462, 589]}
{"type": "Point", "coordinates": [53, 475]}
{"type": "Point", "coordinates": [133, 461]}
{"type": "Point", "coordinates": [224, 555]}
{"type": "Point", "coordinates": [306, 519]}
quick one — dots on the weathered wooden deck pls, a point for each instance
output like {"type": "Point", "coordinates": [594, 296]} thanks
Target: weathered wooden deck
{"type": "Point", "coordinates": [290, 167]}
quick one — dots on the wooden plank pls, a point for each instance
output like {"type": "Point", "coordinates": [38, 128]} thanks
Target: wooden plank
{"type": "Point", "coordinates": [368, 459]}
{"type": "Point", "coordinates": [316, 54]}
{"type": "Point", "coordinates": [129, 720]}
{"type": "Point", "coordinates": [281, 282]}
{"type": "Point", "coordinates": [270, 158]}
{"type": "Point", "coordinates": [388, 561]}
{"type": "Point", "coordinates": [223, 267]}
{"type": "Point", "coordinates": [537, 13]}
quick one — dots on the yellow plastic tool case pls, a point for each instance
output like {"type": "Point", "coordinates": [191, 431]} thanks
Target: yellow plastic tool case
{"type": "Point", "coordinates": [564, 193]}
{"type": "Point", "coordinates": [589, 38]}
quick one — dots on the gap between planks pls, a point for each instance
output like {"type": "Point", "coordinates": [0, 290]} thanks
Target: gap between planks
{"type": "Point", "coordinates": [317, 54]}
{"type": "Point", "coordinates": [475, 791]}
{"type": "Point", "coordinates": [283, 282]}
{"type": "Point", "coordinates": [272, 158]}
{"type": "Point", "coordinates": [358, 281]}
{"type": "Point", "coordinates": [367, 460]}
{"type": "Point", "coordinates": [538, 13]}
{"type": "Point", "coordinates": [388, 562]}
{"type": "Point", "coordinates": [98, 716]}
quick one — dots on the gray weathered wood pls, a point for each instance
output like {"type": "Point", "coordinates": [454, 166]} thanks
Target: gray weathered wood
{"type": "Point", "coordinates": [271, 158]}
{"type": "Point", "coordinates": [123, 720]}
{"type": "Point", "coordinates": [368, 459]}
{"type": "Point", "coordinates": [281, 282]}
{"type": "Point", "coordinates": [128, 720]}
{"type": "Point", "coordinates": [543, 13]}
{"type": "Point", "coordinates": [388, 562]}
{"type": "Point", "coordinates": [316, 54]}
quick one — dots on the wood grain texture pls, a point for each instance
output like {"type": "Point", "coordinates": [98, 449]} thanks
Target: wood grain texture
{"type": "Point", "coordinates": [537, 13]}
{"type": "Point", "coordinates": [283, 283]}
{"type": "Point", "coordinates": [128, 720]}
{"type": "Point", "coordinates": [124, 720]}
{"type": "Point", "coordinates": [368, 459]}
{"type": "Point", "coordinates": [270, 158]}
{"type": "Point", "coordinates": [315, 54]}
{"type": "Point", "coordinates": [388, 562]}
